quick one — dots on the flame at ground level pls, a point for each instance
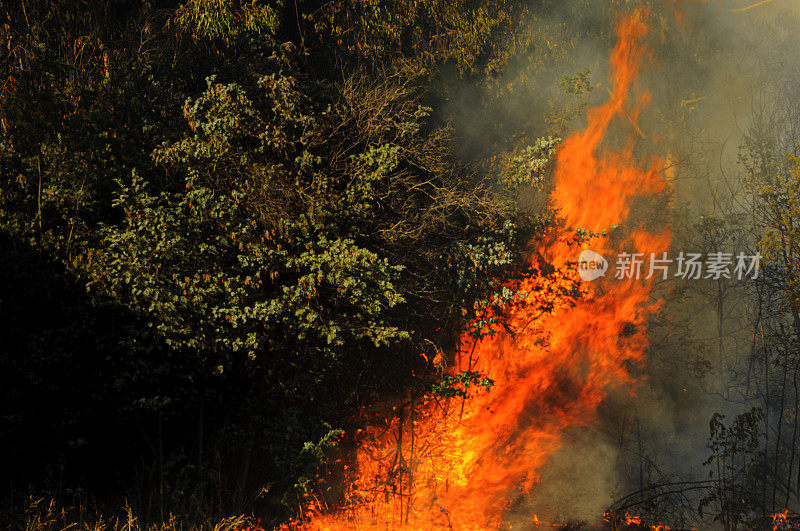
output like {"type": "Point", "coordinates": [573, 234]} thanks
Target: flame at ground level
{"type": "Point", "coordinates": [450, 463]}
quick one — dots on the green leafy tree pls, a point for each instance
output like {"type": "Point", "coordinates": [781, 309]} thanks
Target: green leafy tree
{"type": "Point", "coordinates": [228, 284]}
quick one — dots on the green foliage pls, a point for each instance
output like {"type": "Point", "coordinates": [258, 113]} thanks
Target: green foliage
{"type": "Point", "coordinates": [312, 455]}
{"type": "Point", "coordinates": [432, 30]}
{"type": "Point", "coordinates": [483, 271]}
{"type": "Point", "coordinates": [575, 90]}
{"type": "Point", "coordinates": [458, 384]}
{"type": "Point", "coordinates": [530, 168]}
{"type": "Point", "coordinates": [781, 199]}
{"type": "Point", "coordinates": [583, 235]}
{"type": "Point", "coordinates": [226, 19]}
{"type": "Point", "coordinates": [196, 268]}
{"type": "Point", "coordinates": [223, 263]}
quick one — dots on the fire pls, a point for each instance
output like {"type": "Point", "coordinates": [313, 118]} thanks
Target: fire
{"type": "Point", "coordinates": [618, 521]}
{"type": "Point", "coordinates": [459, 463]}
{"type": "Point", "coordinates": [632, 520]}
{"type": "Point", "coordinates": [780, 520]}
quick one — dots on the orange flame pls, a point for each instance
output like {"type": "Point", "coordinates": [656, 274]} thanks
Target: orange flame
{"type": "Point", "coordinates": [780, 520]}
{"type": "Point", "coordinates": [458, 464]}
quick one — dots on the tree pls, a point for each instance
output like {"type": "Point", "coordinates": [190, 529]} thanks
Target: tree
{"type": "Point", "coordinates": [734, 457]}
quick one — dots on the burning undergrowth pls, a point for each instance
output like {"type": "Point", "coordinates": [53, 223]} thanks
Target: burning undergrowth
{"type": "Point", "coordinates": [458, 462]}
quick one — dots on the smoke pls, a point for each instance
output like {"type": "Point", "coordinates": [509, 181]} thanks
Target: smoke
{"type": "Point", "coordinates": [577, 484]}
{"type": "Point", "coordinates": [710, 76]}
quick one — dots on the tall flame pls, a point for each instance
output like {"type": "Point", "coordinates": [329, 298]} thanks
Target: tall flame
{"type": "Point", "coordinates": [459, 464]}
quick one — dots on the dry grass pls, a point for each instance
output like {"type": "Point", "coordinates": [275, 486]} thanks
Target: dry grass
{"type": "Point", "coordinates": [47, 515]}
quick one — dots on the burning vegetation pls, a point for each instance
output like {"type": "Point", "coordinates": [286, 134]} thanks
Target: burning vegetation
{"type": "Point", "coordinates": [461, 462]}
{"type": "Point", "coordinates": [400, 265]}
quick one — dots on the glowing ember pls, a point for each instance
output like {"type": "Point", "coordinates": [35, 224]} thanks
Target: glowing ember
{"type": "Point", "coordinates": [632, 520]}
{"type": "Point", "coordinates": [618, 521]}
{"type": "Point", "coordinates": [780, 520]}
{"type": "Point", "coordinates": [459, 464]}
